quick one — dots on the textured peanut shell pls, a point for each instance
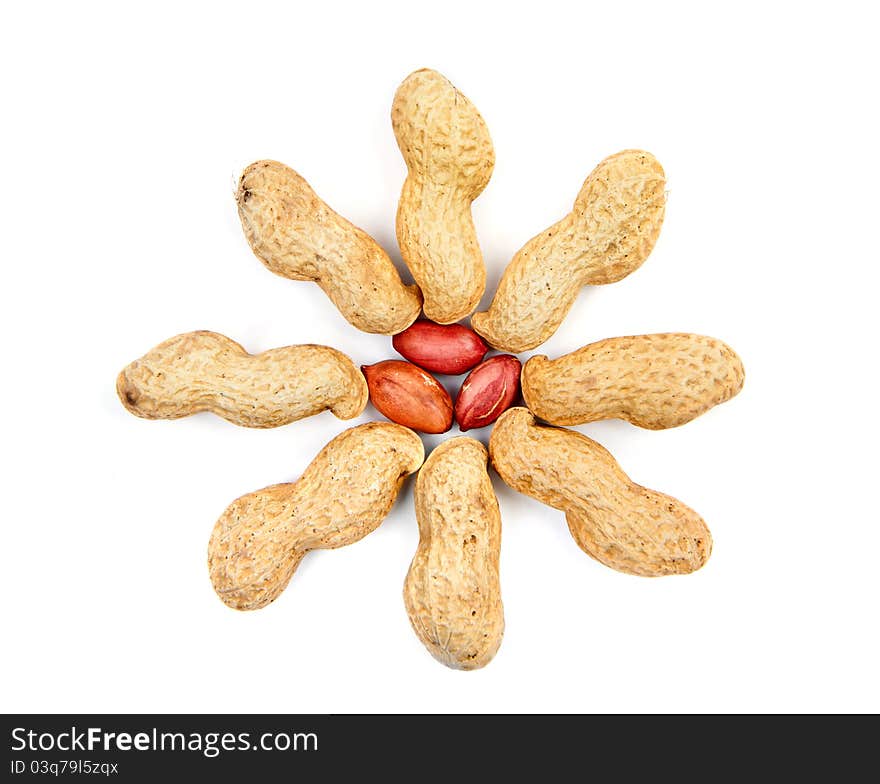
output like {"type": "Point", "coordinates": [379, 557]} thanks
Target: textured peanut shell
{"type": "Point", "coordinates": [452, 591]}
{"type": "Point", "coordinates": [297, 236]}
{"type": "Point", "coordinates": [619, 523]}
{"type": "Point", "coordinates": [343, 495]}
{"type": "Point", "coordinates": [449, 156]}
{"type": "Point", "coordinates": [610, 232]}
{"type": "Point", "coordinates": [206, 371]}
{"type": "Point", "coordinates": [653, 381]}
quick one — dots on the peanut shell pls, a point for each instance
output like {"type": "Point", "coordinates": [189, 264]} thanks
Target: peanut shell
{"type": "Point", "coordinates": [653, 381]}
{"type": "Point", "coordinates": [619, 523]}
{"type": "Point", "coordinates": [207, 371]}
{"type": "Point", "coordinates": [449, 157]}
{"type": "Point", "coordinates": [452, 591]}
{"type": "Point", "coordinates": [612, 228]}
{"type": "Point", "coordinates": [297, 236]}
{"type": "Point", "coordinates": [343, 495]}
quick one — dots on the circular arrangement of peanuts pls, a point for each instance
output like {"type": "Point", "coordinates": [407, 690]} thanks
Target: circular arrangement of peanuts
{"type": "Point", "coordinates": [452, 591]}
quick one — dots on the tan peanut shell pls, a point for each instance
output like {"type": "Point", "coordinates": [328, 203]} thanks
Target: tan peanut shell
{"type": "Point", "coordinates": [653, 381]}
{"type": "Point", "coordinates": [452, 591]}
{"type": "Point", "coordinates": [297, 236]}
{"type": "Point", "coordinates": [619, 523]}
{"type": "Point", "coordinates": [206, 371]}
{"type": "Point", "coordinates": [343, 495]}
{"type": "Point", "coordinates": [611, 230]}
{"type": "Point", "coordinates": [449, 157]}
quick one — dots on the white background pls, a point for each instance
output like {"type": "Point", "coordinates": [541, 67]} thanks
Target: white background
{"type": "Point", "coordinates": [124, 128]}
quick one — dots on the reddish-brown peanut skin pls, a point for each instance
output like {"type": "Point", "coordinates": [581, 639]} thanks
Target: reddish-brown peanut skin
{"type": "Point", "coordinates": [451, 349]}
{"type": "Point", "coordinates": [654, 381]}
{"type": "Point", "coordinates": [488, 391]}
{"type": "Point", "coordinates": [619, 523]}
{"type": "Point", "coordinates": [408, 395]}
